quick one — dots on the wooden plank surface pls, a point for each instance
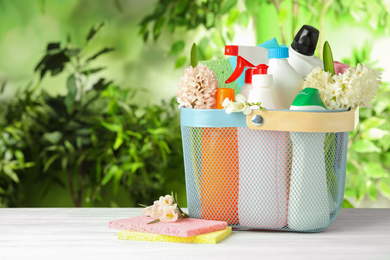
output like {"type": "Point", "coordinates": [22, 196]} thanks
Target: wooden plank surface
{"type": "Point", "coordinates": [60, 233]}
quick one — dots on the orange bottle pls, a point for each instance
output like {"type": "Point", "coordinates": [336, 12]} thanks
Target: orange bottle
{"type": "Point", "coordinates": [220, 171]}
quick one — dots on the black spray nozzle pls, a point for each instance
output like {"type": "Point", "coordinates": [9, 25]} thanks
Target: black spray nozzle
{"type": "Point", "coordinates": [305, 42]}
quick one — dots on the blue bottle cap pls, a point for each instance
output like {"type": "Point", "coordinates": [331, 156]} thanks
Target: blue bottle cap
{"type": "Point", "coordinates": [278, 53]}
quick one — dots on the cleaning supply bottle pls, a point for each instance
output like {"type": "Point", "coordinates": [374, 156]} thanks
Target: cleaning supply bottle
{"type": "Point", "coordinates": [219, 174]}
{"type": "Point", "coordinates": [309, 204]}
{"type": "Point", "coordinates": [287, 82]}
{"type": "Point", "coordinates": [263, 179]}
{"type": "Point", "coordinates": [253, 54]}
{"type": "Point", "coordinates": [272, 43]}
{"type": "Point", "coordinates": [302, 49]}
{"type": "Point", "coordinates": [262, 88]}
{"type": "Point", "coordinates": [247, 87]}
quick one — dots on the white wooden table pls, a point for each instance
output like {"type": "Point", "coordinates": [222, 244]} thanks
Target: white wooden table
{"type": "Point", "coordinates": [82, 233]}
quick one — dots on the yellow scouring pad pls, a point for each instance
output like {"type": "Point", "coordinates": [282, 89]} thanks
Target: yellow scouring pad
{"type": "Point", "coordinates": [209, 238]}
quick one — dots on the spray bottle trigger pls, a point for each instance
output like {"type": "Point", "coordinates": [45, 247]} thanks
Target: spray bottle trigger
{"type": "Point", "coordinates": [241, 64]}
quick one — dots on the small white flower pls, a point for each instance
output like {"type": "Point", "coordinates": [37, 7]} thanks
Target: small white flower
{"type": "Point", "coordinates": [166, 201]}
{"type": "Point", "coordinates": [240, 98]}
{"type": "Point", "coordinates": [238, 107]}
{"type": "Point", "coordinates": [170, 214]}
{"type": "Point", "coordinates": [157, 210]}
{"type": "Point", "coordinates": [228, 105]}
{"type": "Point", "coordinates": [147, 211]}
{"type": "Point", "coordinates": [247, 110]}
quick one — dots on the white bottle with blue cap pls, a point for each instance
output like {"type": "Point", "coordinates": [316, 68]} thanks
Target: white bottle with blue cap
{"type": "Point", "coordinates": [287, 82]}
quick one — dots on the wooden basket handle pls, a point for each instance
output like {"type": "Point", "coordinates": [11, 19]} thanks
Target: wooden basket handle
{"type": "Point", "coordinates": [318, 122]}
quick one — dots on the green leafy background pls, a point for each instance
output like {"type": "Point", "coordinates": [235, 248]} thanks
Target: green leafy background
{"type": "Point", "coordinates": [88, 115]}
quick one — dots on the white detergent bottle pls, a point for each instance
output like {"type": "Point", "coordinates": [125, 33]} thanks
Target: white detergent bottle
{"type": "Point", "coordinates": [287, 82]}
{"type": "Point", "coordinates": [263, 174]}
{"type": "Point", "coordinates": [309, 204]}
{"type": "Point", "coordinates": [302, 49]}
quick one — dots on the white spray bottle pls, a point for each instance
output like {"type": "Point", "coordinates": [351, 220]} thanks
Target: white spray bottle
{"type": "Point", "coordinates": [263, 185]}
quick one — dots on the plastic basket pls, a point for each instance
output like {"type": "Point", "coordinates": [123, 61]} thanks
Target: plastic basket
{"type": "Point", "coordinates": [274, 170]}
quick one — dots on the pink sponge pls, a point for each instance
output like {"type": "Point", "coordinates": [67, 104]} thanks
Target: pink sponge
{"type": "Point", "coordinates": [186, 227]}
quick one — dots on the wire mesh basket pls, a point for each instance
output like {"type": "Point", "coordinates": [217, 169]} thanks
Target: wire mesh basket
{"type": "Point", "coordinates": [274, 170]}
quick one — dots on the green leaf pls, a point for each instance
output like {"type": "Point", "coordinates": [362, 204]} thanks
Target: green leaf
{"type": "Point", "coordinates": [10, 173]}
{"type": "Point", "coordinates": [72, 92]}
{"type": "Point", "coordinates": [385, 142]}
{"type": "Point", "coordinates": [94, 30]}
{"type": "Point", "coordinates": [374, 134]}
{"type": "Point", "coordinates": [227, 5]}
{"type": "Point", "coordinates": [132, 166]}
{"type": "Point", "coordinates": [243, 19]}
{"type": "Point", "coordinates": [232, 17]}
{"type": "Point", "coordinates": [158, 131]}
{"type": "Point", "coordinates": [19, 155]}
{"type": "Point", "coordinates": [50, 162]}
{"type": "Point", "coordinates": [177, 47]}
{"type": "Point", "coordinates": [365, 146]}
{"type": "Point", "coordinates": [103, 51]}
{"type": "Point", "coordinates": [372, 191]}
{"type": "Point", "coordinates": [74, 52]}
{"type": "Point", "coordinates": [350, 192]}
{"type": "Point", "coordinates": [70, 147]}
{"type": "Point", "coordinates": [361, 188]}
{"type": "Point", "coordinates": [112, 127]}
{"type": "Point", "coordinates": [117, 179]}
{"type": "Point", "coordinates": [375, 170]}
{"type": "Point", "coordinates": [210, 17]}
{"type": "Point", "coordinates": [328, 58]}
{"type": "Point", "coordinates": [181, 6]}
{"type": "Point", "coordinates": [3, 85]}
{"type": "Point", "coordinates": [372, 122]}
{"type": "Point", "coordinates": [92, 71]}
{"type": "Point", "coordinates": [347, 204]}
{"type": "Point", "coordinates": [118, 140]}
{"type": "Point", "coordinates": [180, 61]}
{"type": "Point", "coordinates": [110, 174]}
{"type": "Point", "coordinates": [194, 55]}
{"type": "Point", "coordinates": [253, 6]}
{"type": "Point", "coordinates": [157, 27]}
{"type": "Point", "coordinates": [384, 188]}
{"type": "Point", "coordinates": [154, 221]}
{"type": "Point", "coordinates": [53, 137]}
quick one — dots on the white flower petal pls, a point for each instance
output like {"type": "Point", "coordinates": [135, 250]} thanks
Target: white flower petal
{"type": "Point", "coordinates": [240, 98]}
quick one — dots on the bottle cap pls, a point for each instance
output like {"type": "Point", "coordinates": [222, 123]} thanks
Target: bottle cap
{"type": "Point", "coordinates": [260, 77]}
{"type": "Point", "coordinates": [222, 94]}
{"type": "Point", "coordinates": [278, 53]}
{"type": "Point", "coordinates": [308, 99]}
{"type": "Point", "coordinates": [305, 42]}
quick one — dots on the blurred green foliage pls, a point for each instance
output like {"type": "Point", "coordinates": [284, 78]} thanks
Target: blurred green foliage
{"type": "Point", "coordinates": [104, 144]}
{"type": "Point", "coordinates": [92, 136]}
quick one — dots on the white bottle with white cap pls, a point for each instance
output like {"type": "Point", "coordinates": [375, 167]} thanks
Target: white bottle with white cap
{"type": "Point", "coordinates": [262, 89]}
{"type": "Point", "coordinates": [262, 194]}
